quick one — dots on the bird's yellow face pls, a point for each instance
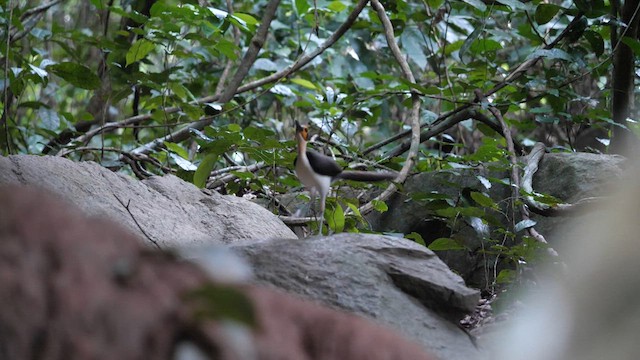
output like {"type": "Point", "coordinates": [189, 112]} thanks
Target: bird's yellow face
{"type": "Point", "coordinates": [302, 131]}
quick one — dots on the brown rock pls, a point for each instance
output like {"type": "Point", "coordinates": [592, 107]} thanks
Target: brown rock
{"type": "Point", "coordinates": [73, 287]}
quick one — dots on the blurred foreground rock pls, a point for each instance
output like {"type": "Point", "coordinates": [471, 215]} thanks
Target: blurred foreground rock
{"type": "Point", "coordinates": [73, 287]}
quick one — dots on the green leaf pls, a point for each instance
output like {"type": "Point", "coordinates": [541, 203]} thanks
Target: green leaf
{"type": "Point", "coordinates": [551, 54]}
{"type": "Point", "coordinates": [248, 19]}
{"type": "Point", "coordinates": [76, 74]}
{"type": "Point", "coordinates": [173, 147]}
{"type": "Point", "coordinates": [379, 206]}
{"type": "Point", "coordinates": [442, 244]}
{"type": "Point", "coordinates": [337, 6]}
{"type": "Point", "coordinates": [355, 210]}
{"type": "Point", "coordinates": [305, 83]}
{"type": "Point", "coordinates": [412, 41]}
{"type": "Point", "coordinates": [452, 212]}
{"type": "Point", "coordinates": [227, 48]}
{"type": "Point", "coordinates": [633, 44]}
{"type": "Point", "coordinates": [335, 219]}
{"type": "Point", "coordinates": [546, 12]}
{"type": "Point", "coordinates": [183, 163]}
{"type": "Point", "coordinates": [302, 6]}
{"type": "Point", "coordinates": [416, 237]}
{"type": "Point", "coordinates": [483, 200]}
{"type": "Point", "coordinates": [595, 41]}
{"type": "Point", "coordinates": [204, 169]}
{"type": "Point", "coordinates": [139, 50]}
{"type": "Point", "coordinates": [181, 91]}
{"type": "Point", "coordinates": [464, 49]}
{"type": "Point", "coordinates": [514, 4]}
{"type": "Point", "coordinates": [223, 302]}
{"type": "Point", "coordinates": [50, 118]}
{"type": "Point", "coordinates": [484, 181]}
{"type": "Point", "coordinates": [480, 46]}
{"type": "Point", "coordinates": [505, 276]}
{"type": "Point", "coordinates": [478, 4]}
{"type": "Point", "coordinates": [524, 224]}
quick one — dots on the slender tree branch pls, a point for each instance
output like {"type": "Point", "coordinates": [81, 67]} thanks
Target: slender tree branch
{"type": "Point", "coordinates": [513, 159]}
{"type": "Point", "coordinates": [230, 90]}
{"type": "Point", "coordinates": [443, 126]}
{"type": "Point", "coordinates": [181, 134]}
{"type": "Point", "coordinates": [39, 9]}
{"type": "Point", "coordinates": [414, 115]}
{"type": "Point", "coordinates": [29, 19]}
{"type": "Point", "coordinates": [514, 75]}
{"type": "Point", "coordinates": [251, 55]}
{"type": "Point", "coordinates": [536, 154]}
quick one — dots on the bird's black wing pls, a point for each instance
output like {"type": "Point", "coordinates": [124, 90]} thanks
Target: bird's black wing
{"type": "Point", "coordinates": [323, 164]}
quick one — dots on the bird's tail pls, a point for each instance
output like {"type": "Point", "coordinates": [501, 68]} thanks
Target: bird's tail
{"type": "Point", "coordinates": [367, 176]}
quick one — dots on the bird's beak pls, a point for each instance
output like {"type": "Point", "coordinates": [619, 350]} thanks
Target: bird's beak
{"type": "Point", "coordinates": [302, 131]}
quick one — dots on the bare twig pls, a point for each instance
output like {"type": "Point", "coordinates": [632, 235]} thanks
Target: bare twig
{"type": "Point", "coordinates": [527, 180]}
{"type": "Point", "coordinates": [136, 221]}
{"type": "Point", "coordinates": [224, 176]}
{"type": "Point", "coordinates": [131, 159]}
{"type": "Point", "coordinates": [251, 55]}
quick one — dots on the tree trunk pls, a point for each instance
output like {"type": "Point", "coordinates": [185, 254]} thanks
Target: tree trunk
{"type": "Point", "coordinates": [623, 141]}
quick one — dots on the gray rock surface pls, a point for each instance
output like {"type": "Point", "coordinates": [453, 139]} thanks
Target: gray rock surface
{"type": "Point", "coordinates": [566, 176]}
{"type": "Point", "coordinates": [392, 280]}
{"type": "Point", "coordinates": [169, 211]}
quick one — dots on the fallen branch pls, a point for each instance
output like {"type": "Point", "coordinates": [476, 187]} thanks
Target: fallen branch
{"type": "Point", "coordinates": [536, 207]}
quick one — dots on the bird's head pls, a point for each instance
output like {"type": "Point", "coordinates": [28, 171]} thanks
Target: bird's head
{"type": "Point", "coordinates": [302, 132]}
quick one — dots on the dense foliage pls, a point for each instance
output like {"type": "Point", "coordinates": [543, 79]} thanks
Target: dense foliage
{"type": "Point", "coordinates": [209, 91]}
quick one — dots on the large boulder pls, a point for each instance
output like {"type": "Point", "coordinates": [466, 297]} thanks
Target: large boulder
{"type": "Point", "coordinates": [73, 287]}
{"type": "Point", "coordinates": [568, 177]}
{"type": "Point", "coordinates": [163, 210]}
{"type": "Point", "coordinates": [392, 280]}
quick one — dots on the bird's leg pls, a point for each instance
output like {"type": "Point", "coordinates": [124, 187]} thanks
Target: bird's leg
{"type": "Point", "coordinates": [312, 199]}
{"type": "Point", "coordinates": [323, 199]}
